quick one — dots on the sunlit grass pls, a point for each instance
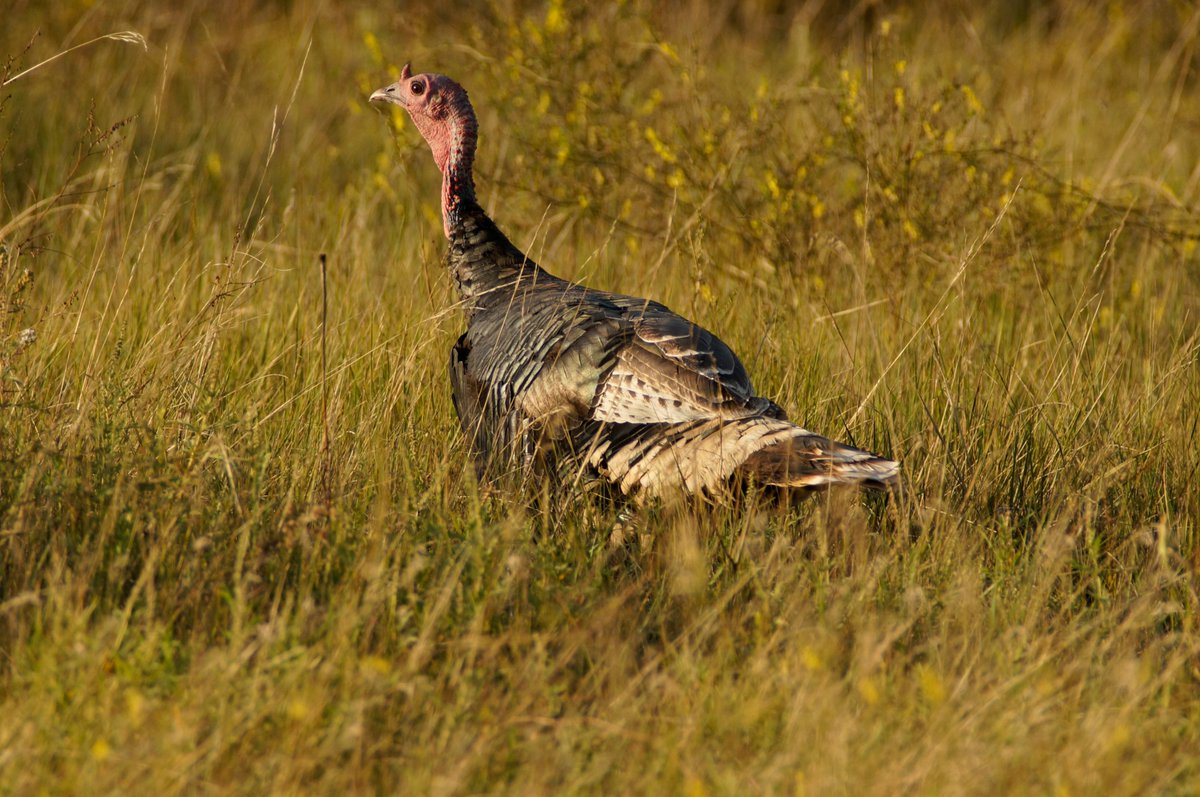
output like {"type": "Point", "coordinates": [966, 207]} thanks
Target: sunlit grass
{"type": "Point", "coordinates": [964, 240]}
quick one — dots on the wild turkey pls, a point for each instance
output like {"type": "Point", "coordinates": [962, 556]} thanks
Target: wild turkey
{"type": "Point", "coordinates": [612, 385]}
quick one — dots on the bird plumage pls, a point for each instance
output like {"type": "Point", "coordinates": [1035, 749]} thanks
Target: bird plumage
{"type": "Point", "coordinates": [618, 386]}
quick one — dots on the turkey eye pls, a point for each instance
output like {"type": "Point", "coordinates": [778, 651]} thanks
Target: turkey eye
{"type": "Point", "coordinates": [417, 87]}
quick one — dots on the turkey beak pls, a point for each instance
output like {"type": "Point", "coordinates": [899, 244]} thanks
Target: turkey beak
{"type": "Point", "coordinates": [391, 94]}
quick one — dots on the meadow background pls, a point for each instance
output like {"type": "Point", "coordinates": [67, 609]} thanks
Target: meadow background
{"type": "Point", "coordinates": [242, 550]}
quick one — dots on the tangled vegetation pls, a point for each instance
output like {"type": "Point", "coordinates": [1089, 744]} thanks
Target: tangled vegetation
{"type": "Point", "coordinates": [242, 549]}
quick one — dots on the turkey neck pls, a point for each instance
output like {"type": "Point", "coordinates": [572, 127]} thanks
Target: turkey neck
{"type": "Point", "coordinates": [484, 264]}
{"type": "Point", "coordinates": [486, 267]}
{"type": "Point", "coordinates": [458, 180]}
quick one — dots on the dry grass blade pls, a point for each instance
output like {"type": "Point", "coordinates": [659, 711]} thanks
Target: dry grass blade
{"type": "Point", "coordinates": [126, 36]}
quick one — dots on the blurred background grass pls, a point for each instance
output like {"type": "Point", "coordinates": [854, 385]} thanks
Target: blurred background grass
{"type": "Point", "coordinates": [963, 235]}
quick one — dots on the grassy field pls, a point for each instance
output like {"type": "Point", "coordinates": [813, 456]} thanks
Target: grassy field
{"type": "Point", "coordinates": [242, 550]}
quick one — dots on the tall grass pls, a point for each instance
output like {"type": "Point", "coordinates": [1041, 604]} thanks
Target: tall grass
{"type": "Point", "coordinates": [241, 546]}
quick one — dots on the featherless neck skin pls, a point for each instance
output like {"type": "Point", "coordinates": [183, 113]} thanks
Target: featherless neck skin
{"type": "Point", "coordinates": [458, 182]}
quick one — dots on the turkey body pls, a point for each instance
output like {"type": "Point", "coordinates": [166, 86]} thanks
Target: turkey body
{"type": "Point", "coordinates": [615, 386]}
{"type": "Point", "coordinates": [551, 373]}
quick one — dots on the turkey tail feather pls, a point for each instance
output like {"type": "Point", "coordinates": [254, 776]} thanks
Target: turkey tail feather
{"type": "Point", "coordinates": [809, 460]}
{"type": "Point", "coordinates": [703, 455]}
